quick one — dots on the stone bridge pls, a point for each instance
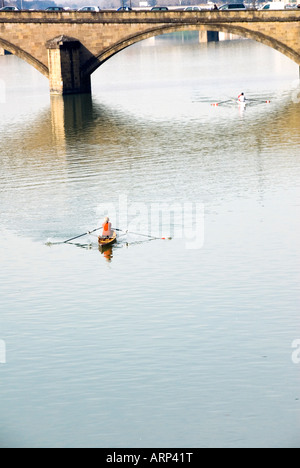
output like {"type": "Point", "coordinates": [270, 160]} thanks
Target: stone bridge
{"type": "Point", "coordinates": [68, 47]}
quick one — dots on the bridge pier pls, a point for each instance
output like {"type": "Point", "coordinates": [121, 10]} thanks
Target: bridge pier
{"type": "Point", "coordinates": [64, 67]}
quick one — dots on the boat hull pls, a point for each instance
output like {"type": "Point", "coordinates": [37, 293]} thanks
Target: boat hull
{"type": "Point", "coordinates": [106, 242]}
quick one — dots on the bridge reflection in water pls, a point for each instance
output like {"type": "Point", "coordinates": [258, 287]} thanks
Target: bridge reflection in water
{"type": "Point", "coordinates": [75, 119]}
{"type": "Point", "coordinates": [70, 115]}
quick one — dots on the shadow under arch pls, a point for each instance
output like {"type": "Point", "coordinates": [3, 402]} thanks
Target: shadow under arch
{"type": "Point", "coordinates": [95, 62]}
{"type": "Point", "coordinates": [18, 52]}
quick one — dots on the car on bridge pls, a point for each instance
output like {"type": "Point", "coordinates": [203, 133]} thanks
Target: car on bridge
{"type": "Point", "coordinates": [90, 8]}
{"type": "Point", "coordinates": [9, 8]}
{"type": "Point", "coordinates": [55, 8]}
{"type": "Point", "coordinates": [233, 6]}
{"type": "Point", "coordinates": [274, 6]}
{"type": "Point", "coordinates": [159, 8]}
{"type": "Point", "coordinates": [192, 8]}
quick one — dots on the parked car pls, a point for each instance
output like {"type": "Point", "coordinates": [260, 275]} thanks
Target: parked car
{"type": "Point", "coordinates": [273, 6]}
{"type": "Point", "coordinates": [233, 6]}
{"type": "Point", "coordinates": [90, 8]}
{"type": "Point", "coordinates": [192, 8]}
{"type": "Point", "coordinates": [157, 8]}
{"type": "Point", "coordinates": [55, 8]}
{"type": "Point", "coordinates": [291, 6]}
{"type": "Point", "coordinates": [125, 8]}
{"type": "Point", "coordinates": [9, 8]}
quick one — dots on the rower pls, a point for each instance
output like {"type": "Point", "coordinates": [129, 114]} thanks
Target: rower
{"type": "Point", "coordinates": [107, 230]}
{"type": "Point", "coordinates": [242, 98]}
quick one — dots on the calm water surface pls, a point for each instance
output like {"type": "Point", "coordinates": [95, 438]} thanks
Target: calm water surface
{"type": "Point", "coordinates": [155, 344]}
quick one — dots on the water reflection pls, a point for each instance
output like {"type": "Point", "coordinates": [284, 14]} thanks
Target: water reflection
{"type": "Point", "coordinates": [70, 115]}
{"type": "Point", "coordinates": [71, 119]}
{"type": "Point", "coordinates": [107, 253]}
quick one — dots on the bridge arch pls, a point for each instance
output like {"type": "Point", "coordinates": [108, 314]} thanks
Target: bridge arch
{"type": "Point", "coordinates": [99, 59]}
{"type": "Point", "coordinates": [67, 47]}
{"type": "Point", "coordinates": [15, 50]}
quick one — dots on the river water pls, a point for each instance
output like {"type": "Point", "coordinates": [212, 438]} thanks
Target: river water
{"type": "Point", "coordinates": [189, 342]}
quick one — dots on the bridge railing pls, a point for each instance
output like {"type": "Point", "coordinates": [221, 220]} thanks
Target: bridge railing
{"type": "Point", "coordinates": [140, 15]}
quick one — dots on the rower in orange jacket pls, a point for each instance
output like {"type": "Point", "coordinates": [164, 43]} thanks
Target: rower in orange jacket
{"type": "Point", "coordinates": [107, 230]}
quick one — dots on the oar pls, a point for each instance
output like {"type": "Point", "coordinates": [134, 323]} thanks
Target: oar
{"type": "Point", "coordinates": [144, 235]}
{"type": "Point", "coordinates": [73, 238]}
{"type": "Point", "coordinates": [264, 101]}
{"type": "Point", "coordinates": [81, 235]}
{"type": "Point", "coordinates": [216, 104]}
